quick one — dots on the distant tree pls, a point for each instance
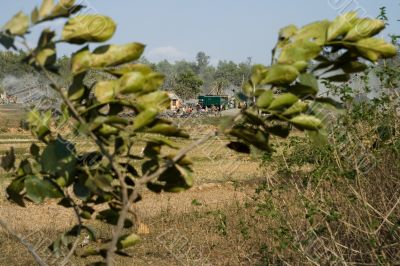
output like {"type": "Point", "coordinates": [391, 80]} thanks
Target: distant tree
{"type": "Point", "coordinates": [168, 70]}
{"type": "Point", "coordinates": [202, 62]}
{"type": "Point", "coordinates": [188, 85]}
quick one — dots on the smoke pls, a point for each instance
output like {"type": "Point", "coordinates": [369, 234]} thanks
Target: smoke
{"type": "Point", "coordinates": [30, 90]}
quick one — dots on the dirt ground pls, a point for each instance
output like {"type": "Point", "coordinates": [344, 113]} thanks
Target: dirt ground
{"type": "Point", "coordinates": [219, 173]}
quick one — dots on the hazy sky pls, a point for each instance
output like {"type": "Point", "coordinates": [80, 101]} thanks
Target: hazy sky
{"type": "Point", "coordinates": [223, 29]}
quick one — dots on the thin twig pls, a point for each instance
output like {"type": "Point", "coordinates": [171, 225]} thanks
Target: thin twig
{"type": "Point", "coordinates": [75, 245]}
{"type": "Point", "coordinates": [31, 249]}
{"type": "Point", "coordinates": [143, 181]}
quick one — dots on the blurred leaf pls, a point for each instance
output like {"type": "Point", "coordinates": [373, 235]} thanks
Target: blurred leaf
{"type": "Point", "coordinates": [88, 28]}
{"type": "Point", "coordinates": [341, 25]}
{"type": "Point", "coordinates": [128, 68]}
{"type": "Point", "coordinates": [279, 130]}
{"type": "Point", "coordinates": [265, 99]}
{"type": "Point", "coordinates": [77, 88]}
{"type": "Point", "coordinates": [144, 118]}
{"type": "Point", "coordinates": [18, 25]}
{"type": "Point", "coordinates": [287, 32]}
{"type": "Point", "coordinates": [309, 80]}
{"type": "Point", "coordinates": [314, 32]}
{"type": "Point", "coordinates": [45, 8]}
{"type": "Point", "coordinates": [58, 158]}
{"type": "Point", "coordinates": [283, 100]}
{"type": "Point", "coordinates": [167, 130]}
{"type": "Point", "coordinates": [113, 55]}
{"type": "Point", "coordinates": [81, 191]}
{"type": "Point", "coordinates": [306, 122]}
{"type": "Point", "coordinates": [7, 41]}
{"type": "Point", "coordinates": [39, 189]}
{"type": "Point", "coordinates": [364, 28]}
{"type": "Point", "coordinates": [105, 91]}
{"type": "Point", "coordinates": [14, 190]}
{"type": "Point", "coordinates": [111, 216]}
{"type": "Point", "coordinates": [80, 61]}
{"type": "Point", "coordinates": [127, 241]}
{"type": "Point", "coordinates": [8, 160]}
{"type": "Point", "coordinates": [239, 147]}
{"type": "Point", "coordinates": [296, 108]}
{"type": "Point", "coordinates": [374, 49]}
{"type": "Point", "coordinates": [302, 50]}
{"type": "Point", "coordinates": [280, 75]}
{"type": "Point", "coordinates": [159, 100]}
{"type": "Point", "coordinates": [35, 15]}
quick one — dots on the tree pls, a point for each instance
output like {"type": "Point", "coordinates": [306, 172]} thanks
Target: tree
{"type": "Point", "coordinates": [202, 61]}
{"type": "Point", "coordinates": [188, 85]}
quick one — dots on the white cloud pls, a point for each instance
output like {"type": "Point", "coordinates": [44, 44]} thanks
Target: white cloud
{"type": "Point", "coordinates": [167, 52]}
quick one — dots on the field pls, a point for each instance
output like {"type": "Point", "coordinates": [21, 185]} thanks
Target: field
{"type": "Point", "coordinates": [295, 207]}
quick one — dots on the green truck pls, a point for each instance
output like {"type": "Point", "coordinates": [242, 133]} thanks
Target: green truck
{"type": "Point", "coordinates": [213, 100]}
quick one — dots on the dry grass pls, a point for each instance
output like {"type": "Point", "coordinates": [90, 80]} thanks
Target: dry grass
{"type": "Point", "coordinates": [241, 213]}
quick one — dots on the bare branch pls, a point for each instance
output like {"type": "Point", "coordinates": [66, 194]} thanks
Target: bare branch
{"type": "Point", "coordinates": [28, 246]}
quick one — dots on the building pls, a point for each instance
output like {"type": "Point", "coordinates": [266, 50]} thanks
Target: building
{"type": "Point", "coordinates": [176, 102]}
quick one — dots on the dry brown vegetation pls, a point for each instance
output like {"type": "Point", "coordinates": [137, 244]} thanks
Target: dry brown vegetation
{"type": "Point", "coordinates": [292, 209]}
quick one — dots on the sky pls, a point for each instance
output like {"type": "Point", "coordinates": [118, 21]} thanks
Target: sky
{"type": "Point", "coordinates": [223, 29]}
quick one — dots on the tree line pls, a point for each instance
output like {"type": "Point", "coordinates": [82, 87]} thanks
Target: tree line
{"type": "Point", "coordinates": [186, 78]}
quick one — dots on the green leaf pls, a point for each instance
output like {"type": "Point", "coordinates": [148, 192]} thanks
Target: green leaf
{"type": "Point", "coordinates": [298, 107]}
{"type": "Point", "coordinates": [58, 158]}
{"type": "Point", "coordinates": [302, 50]}
{"type": "Point", "coordinates": [105, 91]}
{"type": "Point", "coordinates": [34, 150]}
{"type": "Point", "coordinates": [77, 88]}
{"type": "Point", "coordinates": [310, 81]}
{"type": "Point", "coordinates": [279, 130]}
{"type": "Point", "coordinates": [315, 32]}
{"type": "Point", "coordinates": [306, 122]}
{"type": "Point", "coordinates": [113, 55]}
{"type": "Point", "coordinates": [14, 190]}
{"type": "Point", "coordinates": [7, 41]}
{"type": "Point", "coordinates": [18, 25]}
{"type": "Point", "coordinates": [127, 241]}
{"type": "Point", "coordinates": [265, 99]}
{"type": "Point", "coordinates": [39, 189]}
{"type": "Point", "coordinates": [159, 100]}
{"type": "Point", "coordinates": [132, 82]}
{"type": "Point", "coordinates": [81, 191]}
{"type": "Point", "coordinates": [283, 100]}
{"type": "Point", "coordinates": [8, 160]}
{"type": "Point", "coordinates": [239, 147]}
{"type": "Point", "coordinates": [39, 123]}
{"type": "Point", "coordinates": [364, 28]}
{"type": "Point", "coordinates": [374, 49]}
{"type": "Point", "coordinates": [280, 75]}
{"type": "Point", "coordinates": [46, 57]}
{"type": "Point", "coordinates": [88, 28]}
{"type": "Point", "coordinates": [341, 25]}
{"type": "Point", "coordinates": [287, 32]}
{"type": "Point", "coordinates": [350, 67]}
{"type": "Point", "coordinates": [144, 118]}
{"type": "Point", "coordinates": [128, 68]}
{"type": "Point", "coordinates": [35, 15]}
{"type": "Point", "coordinates": [111, 216]}
{"type": "Point", "coordinates": [45, 8]}
{"type": "Point", "coordinates": [167, 130]}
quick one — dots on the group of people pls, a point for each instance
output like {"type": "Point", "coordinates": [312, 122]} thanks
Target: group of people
{"type": "Point", "coordinates": [7, 99]}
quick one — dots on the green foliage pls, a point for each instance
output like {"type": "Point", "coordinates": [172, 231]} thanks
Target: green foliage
{"type": "Point", "coordinates": [285, 92]}
{"type": "Point", "coordinates": [188, 85]}
{"type": "Point", "coordinates": [110, 173]}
